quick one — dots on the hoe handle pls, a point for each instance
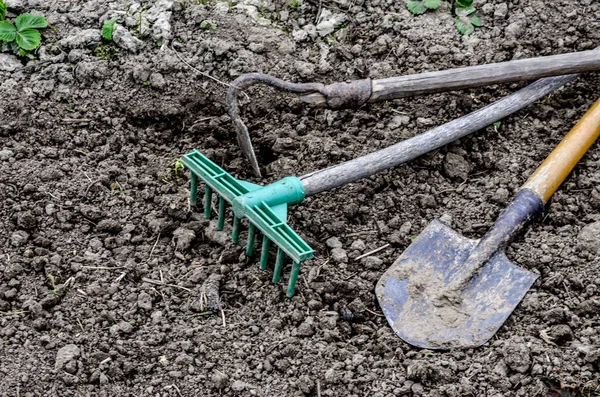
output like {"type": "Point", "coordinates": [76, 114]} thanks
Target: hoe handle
{"type": "Point", "coordinates": [474, 76]}
{"type": "Point", "coordinates": [559, 164]}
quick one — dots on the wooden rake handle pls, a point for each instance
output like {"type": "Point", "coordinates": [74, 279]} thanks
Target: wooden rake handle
{"type": "Point", "coordinates": [559, 164]}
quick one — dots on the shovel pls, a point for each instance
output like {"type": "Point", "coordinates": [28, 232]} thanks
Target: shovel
{"type": "Point", "coordinates": [356, 93]}
{"type": "Point", "coordinates": [266, 207]}
{"type": "Point", "coordinates": [447, 291]}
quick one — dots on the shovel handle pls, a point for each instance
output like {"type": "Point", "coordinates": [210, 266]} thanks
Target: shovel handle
{"type": "Point", "coordinates": [559, 164]}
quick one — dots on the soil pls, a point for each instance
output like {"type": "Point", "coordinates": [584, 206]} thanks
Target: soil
{"type": "Point", "coordinates": [112, 285]}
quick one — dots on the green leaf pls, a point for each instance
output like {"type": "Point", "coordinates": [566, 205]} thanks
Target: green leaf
{"type": "Point", "coordinates": [2, 10]}
{"type": "Point", "coordinates": [29, 39]}
{"type": "Point", "coordinates": [416, 7]}
{"type": "Point", "coordinates": [432, 4]}
{"type": "Point", "coordinates": [8, 32]}
{"type": "Point", "coordinates": [464, 3]}
{"type": "Point", "coordinates": [108, 28]}
{"type": "Point", "coordinates": [465, 10]}
{"type": "Point", "coordinates": [26, 21]}
{"type": "Point", "coordinates": [475, 21]}
{"type": "Point", "coordinates": [463, 27]}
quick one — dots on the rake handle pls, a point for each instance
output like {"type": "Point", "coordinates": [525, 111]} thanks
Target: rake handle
{"type": "Point", "coordinates": [558, 165]}
{"type": "Point", "coordinates": [402, 152]}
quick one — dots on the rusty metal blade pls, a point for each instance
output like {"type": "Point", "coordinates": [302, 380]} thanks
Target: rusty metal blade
{"type": "Point", "coordinates": [409, 292]}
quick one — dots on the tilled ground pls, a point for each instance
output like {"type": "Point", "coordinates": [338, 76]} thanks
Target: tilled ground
{"type": "Point", "coordinates": [104, 264]}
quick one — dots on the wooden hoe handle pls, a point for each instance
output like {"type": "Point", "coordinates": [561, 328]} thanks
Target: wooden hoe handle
{"type": "Point", "coordinates": [557, 166]}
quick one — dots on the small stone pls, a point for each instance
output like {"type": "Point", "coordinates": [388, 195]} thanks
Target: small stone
{"type": "Point", "coordinates": [238, 386]}
{"type": "Point", "coordinates": [157, 81]}
{"type": "Point", "coordinates": [515, 29]}
{"type": "Point", "coordinates": [125, 40]}
{"type": "Point", "coordinates": [371, 262]}
{"type": "Point", "coordinates": [5, 154]}
{"type": "Point", "coordinates": [103, 379]}
{"type": "Point", "coordinates": [215, 235]}
{"type": "Point", "coordinates": [109, 226]}
{"type": "Point", "coordinates": [398, 121]}
{"type": "Point", "coordinates": [184, 238]}
{"type": "Point", "coordinates": [501, 11]}
{"type": "Point", "coordinates": [501, 196]}
{"type": "Point", "coordinates": [516, 356]}
{"type": "Point", "coordinates": [65, 354]}
{"type": "Point", "coordinates": [19, 238]}
{"type": "Point", "coordinates": [359, 245]}
{"type": "Point", "coordinates": [456, 167]}
{"type": "Point", "coordinates": [9, 63]}
{"type": "Point", "coordinates": [88, 38]}
{"type": "Point", "coordinates": [276, 323]}
{"type": "Point", "coordinates": [306, 328]}
{"type": "Point", "coordinates": [329, 22]}
{"type": "Point", "coordinates": [560, 334]}
{"type": "Point", "coordinates": [219, 379]}
{"type": "Point", "coordinates": [589, 237]}
{"type": "Point", "coordinates": [26, 220]}
{"type": "Point", "coordinates": [501, 368]}
{"type": "Point", "coordinates": [314, 304]}
{"type": "Point", "coordinates": [144, 301]}
{"type": "Point", "coordinates": [126, 327]}
{"type": "Point", "coordinates": [333, 242]}
{"type": "Point", "coordinates": [339, 255]}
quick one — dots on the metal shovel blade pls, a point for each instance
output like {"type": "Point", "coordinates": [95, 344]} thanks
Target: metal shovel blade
{"type": "Point", "coordinates": [409, 292]}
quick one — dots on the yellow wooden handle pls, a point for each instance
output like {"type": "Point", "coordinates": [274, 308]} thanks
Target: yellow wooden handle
{"type": "Point", "coordinates": [559, 164]}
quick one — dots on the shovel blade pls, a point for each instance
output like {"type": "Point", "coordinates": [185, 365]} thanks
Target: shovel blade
{"type": "Point", "coordinates": [409, 292]}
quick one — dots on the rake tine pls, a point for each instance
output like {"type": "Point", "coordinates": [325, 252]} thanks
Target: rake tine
{"type": "Point", "coordinates": [235, 236]}
{"type": "Point", "coordinates": [207, 200]}
{"type": "Point", "coordinates": [193, 189]}
{"type": "Point", "coordinates": [278, 265]}
{"type": "Point", "coordinates": [251, 237]}
{"type": "Point", "coordinates": [264, 255]}
{"type": "Point", "coordinates": [293, 278]}
{"type": "Point", "coordinates": [221, 221]}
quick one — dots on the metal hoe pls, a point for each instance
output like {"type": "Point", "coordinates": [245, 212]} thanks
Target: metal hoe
{"type": "Point", "coordinates": [265, 207]}
{"type": "Point", "coordinates": [447, 291]}
{"type": "Point", "coordinates": [356, 93]}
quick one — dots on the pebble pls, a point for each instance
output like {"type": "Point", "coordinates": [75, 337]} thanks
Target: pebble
{"type": "Point", "coordinates": [359, 245]}
{"type": "Point", "coordinates": [329, 21]}
{"type": "Point", "coordinates": [516, 356]}
{"type": "Point", "coordinates": [333, 242]}
{"type": "Point", "coordinates": [371, 262]}
{"type": "Point", "coordinates": [109, 226]}
{"type": "Point", "coordinates": [515, 29]}
{"type": "Point", "coordinates": [144, 301]}
{"type": "Point", "coordinates": [589, 237]}
{"type": "Point", "coordinates": [501, 11]}
{"type": "Point", "coordinates": [19, 238]}
{"type": "Point", "coordinates": [398, 121]}
{"type": "Point", "coordinates": [5, 154]}
{"type": "Point", "coordinates": [184, 238]}
{"type": "Point", "coordinates": [219, 379]}
{"type": "Point", "coordinates": [126, 41]}
{"type": "Point", "coordinates": [157, 81]}
{"type": "Point", "coordinates": [9, 63]}
{"type": "Point", "coordinates": [88, 38]}
{"type": "Point", "coordinates": [456, 167]}
{"type": "Point", "coordinates": [65, 354]}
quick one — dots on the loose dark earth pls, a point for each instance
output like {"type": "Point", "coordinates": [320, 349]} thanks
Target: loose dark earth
{"type": "Point", "coordinates": [104, 266]}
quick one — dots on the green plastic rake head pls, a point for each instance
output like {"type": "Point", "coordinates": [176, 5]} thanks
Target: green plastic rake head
{"type": "Point", "coordinates": [265, 208]}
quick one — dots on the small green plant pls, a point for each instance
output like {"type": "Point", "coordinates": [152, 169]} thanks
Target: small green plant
{"type": "Point", "coordinates": [419, 7]}
{"type": "Point", "coordinates": [146, 83]}
{"type": "Point", "coordinates": [466, 20]}
{"type": "Point", "coordinates": [295, 4]}
{"type": "Point", "coordinates": [2, 10]}
{"type": "Point", "coordinates": [178, 168]}
{"type": "Point", "coordinates": [497, 125]}
{"type": "Point", "coordinates": [108, 28]}
{"type": "Point", "coordinates": [22, 36]}
{"type": "Point", "coordinates": [208, 25]}
{"type": "Point", "coordinates": [105, 52]}
{"type": "Point", "coordinates": [159, 43]}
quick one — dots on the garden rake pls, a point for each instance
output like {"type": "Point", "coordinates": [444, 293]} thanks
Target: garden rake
{"type": "Point", "coordinates": [446, 291]}
{"type": "Point", "coordinates": [356, 93]}
{"type": "Point", "coordinates": [265, 207]}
